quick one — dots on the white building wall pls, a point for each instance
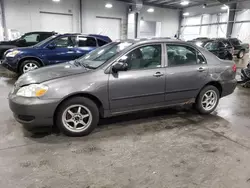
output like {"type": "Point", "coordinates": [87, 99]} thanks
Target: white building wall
{"type": "Point", "coordinates": [96, 8]}
{"type": "Point", "coordinates": [169, 19]}
{"type": "Point", "coordinates": [24, 15]}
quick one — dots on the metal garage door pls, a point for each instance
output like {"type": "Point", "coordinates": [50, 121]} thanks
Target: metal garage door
{"type": "Point", "coordinates": [62, 23]}
{"type": "Point", "coordinates": [109, 26]}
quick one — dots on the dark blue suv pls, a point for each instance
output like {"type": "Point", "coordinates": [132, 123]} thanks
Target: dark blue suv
{"type": "Point", "coordinates": [56, 49]}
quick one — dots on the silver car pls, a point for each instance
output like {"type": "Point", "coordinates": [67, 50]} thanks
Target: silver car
{"type": "Point", "coordinates": [121, 77]}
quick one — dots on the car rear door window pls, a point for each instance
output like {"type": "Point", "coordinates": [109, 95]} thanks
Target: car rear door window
{"type": "Point", "coordinates": [179, 55]}
{"type": "Point", "coordinates": [101, 42]}
{"type": "Point", "coordinates": [65, 42]}
{"type": "Point", "coordinates": [86, 41]}
{"type": "Point", "coordinates": [144, 57]}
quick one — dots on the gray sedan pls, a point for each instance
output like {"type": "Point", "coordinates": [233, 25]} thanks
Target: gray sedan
{"type": "Point", "coordinates": [121, 77]}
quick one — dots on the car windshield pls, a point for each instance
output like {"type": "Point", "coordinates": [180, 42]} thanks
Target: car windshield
{"type": "Point", "coordinates": [99, 56]}
{"type": "Point", "coordinates": [44, 41]}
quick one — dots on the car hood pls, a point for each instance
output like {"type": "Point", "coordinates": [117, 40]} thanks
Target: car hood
{"type": "Point", "coordinates": [10, 42]}
{"type": "Point", "coordinates": [49, 73]}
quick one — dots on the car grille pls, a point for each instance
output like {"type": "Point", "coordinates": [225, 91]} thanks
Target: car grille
{"type": "Point", "coordinates": [247, 72]}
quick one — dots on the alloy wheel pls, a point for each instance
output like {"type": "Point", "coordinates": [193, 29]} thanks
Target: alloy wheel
{"type": "Point", "coordinates": [209, 100]}
{"type": "Point", "coordinates": [77, 118]}
{"type": "Point", "coordinates": [29, 67]}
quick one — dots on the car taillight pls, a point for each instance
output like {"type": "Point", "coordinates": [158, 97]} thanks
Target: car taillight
{"type": "Point", "coordinates": [234, 68]}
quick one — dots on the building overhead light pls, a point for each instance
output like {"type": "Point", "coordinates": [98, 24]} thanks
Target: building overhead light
{"type": "Point", "coordinates": [108, 5]}
{"type": "Point", "coordinates": [186, 14]}
{"type": "Point", "coordinates": [224, 7]}
{"type": "Point", "coordinates": [184, 3]}
{"type": "Point", "coordinates": [56, 0]}
{"type": "Point", "coordinates": [151, 10]}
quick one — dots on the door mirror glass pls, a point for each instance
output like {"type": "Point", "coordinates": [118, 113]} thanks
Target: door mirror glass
{"type": "Point", "coordinates": [51, 46]}
{"type": "Point", "coordinates": [120, 66]}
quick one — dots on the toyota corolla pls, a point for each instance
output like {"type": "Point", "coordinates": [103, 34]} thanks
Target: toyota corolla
{"type": "Point", "coordinates": [121, 77]}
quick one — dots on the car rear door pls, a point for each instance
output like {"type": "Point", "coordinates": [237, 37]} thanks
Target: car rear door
{"type": "Point", "coordinates": [143, 84]}
{"type": "Point", "coordinates": [186, 73]}
{"type": "Point", "coordinates": [85, 45]}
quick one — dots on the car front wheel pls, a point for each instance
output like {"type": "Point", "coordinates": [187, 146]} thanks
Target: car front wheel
{"type": "Point", "coordinates": [77, 116]}
{"type": "Point", "coordinates": [207, 100]}
{"type": "Point", "coordinates": [29, 65]}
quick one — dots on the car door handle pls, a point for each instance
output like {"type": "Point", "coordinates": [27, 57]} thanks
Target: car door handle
{"type": "Point", "coordinates": [158, 74]}
{"type": "Point", "coordinates": [201, 69]}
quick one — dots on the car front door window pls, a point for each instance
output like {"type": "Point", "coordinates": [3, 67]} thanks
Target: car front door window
{"type": "Point", "coordinates": [144, 57]}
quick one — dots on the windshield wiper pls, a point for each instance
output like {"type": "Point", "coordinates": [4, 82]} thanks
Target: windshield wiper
{"type": "Point", "coordinates": [78, 63]}
{"type": "Point", "coordinates": [87, 66]}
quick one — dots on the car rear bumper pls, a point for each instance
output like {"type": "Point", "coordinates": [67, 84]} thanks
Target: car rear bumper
{"type": "Point", "coordinates": [33, 111]}
{"type": "Point", "coordinates": [228, 87]}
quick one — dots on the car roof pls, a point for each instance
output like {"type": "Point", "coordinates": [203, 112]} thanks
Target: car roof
{"type": "Point", "coordinates": [41, 32]}
{"type": "Point", "coordinates": [151, 40]}
{"type": "Point", "coordinates": [102, 37]}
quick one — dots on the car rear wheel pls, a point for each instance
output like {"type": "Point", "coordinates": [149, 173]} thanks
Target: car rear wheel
{"type": "Point", "coordinates": [241, 54]}
{"type": "Point", "coordinates": [29, 65]}
{"type": "Point", "coordinates": [77, 116]}
{"type": "Point", "coordinates": [207, 100]}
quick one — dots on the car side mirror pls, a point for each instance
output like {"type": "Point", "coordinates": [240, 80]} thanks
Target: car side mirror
{"type": "Point", "coordinates": [51, 46]}
{"type": "Point", "coordinates": [120, 66]}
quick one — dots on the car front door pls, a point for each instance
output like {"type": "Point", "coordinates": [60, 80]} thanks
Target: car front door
{"type": "Point", "coordinates": [61, 50]}
{"type": "Point", "coordinates": [186, 73]}
{"type": "Point", "coordinates": [142, 85]}
{"type": "Point", "coordinates": [85, 45]}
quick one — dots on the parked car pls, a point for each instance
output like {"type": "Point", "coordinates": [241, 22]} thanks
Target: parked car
{"type": "Point", "coordinates": [56, 49]}
{"type": "Point", "coordinates": [245, 74]}
{"type": "Point", "coordinates": [240, 49]}
{"type": "Point", "coordinates": [222, 48]}
{"type": "Point", "coordinates": [118, 78]}
{"type": "Point", "coordinates": [28, 39]}
{"type": "Point", "coordinates": [200, 41]}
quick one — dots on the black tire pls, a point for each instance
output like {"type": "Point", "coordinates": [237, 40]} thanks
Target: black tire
{"type": "Point", "coordinates": [198, 103]}
{"type": "Point", "coordinates": [82, 101]}
{"type": "Point", "coordinates": [241, 54]}
{"type": "Point", "coordinates": [26, 62]}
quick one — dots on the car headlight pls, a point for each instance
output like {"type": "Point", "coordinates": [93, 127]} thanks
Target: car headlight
{"type": "Point", "coordinates": [33, 90]}
{"type": "Point", "coordinates": [13, 53]}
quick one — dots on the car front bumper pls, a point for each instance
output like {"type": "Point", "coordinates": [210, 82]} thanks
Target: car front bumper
{"type": "Point", "coordinates": [10, 64]}
{"type": "Point", "coordinates": [228, 87]}
{"type": "Point", "coordinates": [33, 111]}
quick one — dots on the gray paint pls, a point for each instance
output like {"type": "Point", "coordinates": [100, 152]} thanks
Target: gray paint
{"type": "Point", "coordinates": [125, 91]}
